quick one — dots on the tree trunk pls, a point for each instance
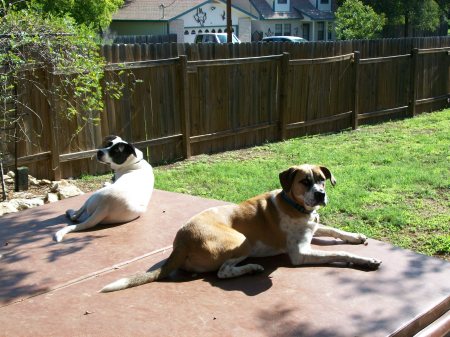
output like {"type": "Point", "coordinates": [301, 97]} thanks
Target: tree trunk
{"type": "Point", "coordinates": [406, 24]}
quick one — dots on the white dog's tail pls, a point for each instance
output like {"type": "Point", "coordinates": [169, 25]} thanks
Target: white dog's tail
{"type": "Point", "coordinates": [174, 261]}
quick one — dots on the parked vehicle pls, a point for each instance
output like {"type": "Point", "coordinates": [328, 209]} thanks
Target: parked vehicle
{"type": "Point", "coordinates": [214, 38]}
{"type": "Point", "coordinates": [294, 39]}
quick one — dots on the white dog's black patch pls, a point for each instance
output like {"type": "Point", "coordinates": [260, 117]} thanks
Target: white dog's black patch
{"type": "Point", "coordinates": [115, 150]}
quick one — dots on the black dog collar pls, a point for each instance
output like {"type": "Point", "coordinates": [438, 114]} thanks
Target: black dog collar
{"type": "Point", "coordinates": [292, 203]}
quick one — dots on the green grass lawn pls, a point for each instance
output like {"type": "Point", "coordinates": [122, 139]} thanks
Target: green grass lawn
{"type": "Point", "coordinates": [393, 179]}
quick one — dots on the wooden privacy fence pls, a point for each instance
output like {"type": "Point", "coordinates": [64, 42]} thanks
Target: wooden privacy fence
{"type": "Point", "coordinates": [174, 108]}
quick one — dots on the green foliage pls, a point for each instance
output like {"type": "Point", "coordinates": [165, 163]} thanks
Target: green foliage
{"type": "Point", "coordinates": [425, 15]}
{"type": "Point", "coordinates": [35, 42]}
{"type": "Point", "coordinates": [354, 20]}
{"type": "Point", "coordinates": [94, 13]}
{"type": "Point", "coordinates": [420, 14]}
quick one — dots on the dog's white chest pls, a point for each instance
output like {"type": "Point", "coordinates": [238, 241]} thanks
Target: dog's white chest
{"type": "Point", "coordinates": [297, 226]}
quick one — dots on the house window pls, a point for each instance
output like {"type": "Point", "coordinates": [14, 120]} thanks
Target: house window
{"type": "Point", "coordinates": [320, 31]}
{"type": "Point", "coordinates": [287, 29]}
{"type": "Point", "coordinates": [305, 31]}
{"type": "Point", "coordinates": [324, 2]}
{"type": "Point", "coordinates": [282, 2]}
{"type": "Point", "coordinates": [186, 32]}
{"type": "Point", "coordinates": [330, 31]}
{"type": "Point", "coordinates": [278, 29]}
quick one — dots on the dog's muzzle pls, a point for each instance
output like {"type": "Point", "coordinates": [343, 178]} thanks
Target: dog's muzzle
{"type": "Point", "coordinates": [320, 197]}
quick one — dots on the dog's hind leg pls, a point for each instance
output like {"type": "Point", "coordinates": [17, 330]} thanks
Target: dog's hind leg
{"type": "Point", "coordinates": [229, 268]}
{"type": "Point", "coordinates": [93, 220]}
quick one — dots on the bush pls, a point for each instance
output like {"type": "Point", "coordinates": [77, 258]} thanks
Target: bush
{"type": "Point", "coordinates": [354, 20]}
{"type": "Point", "coordinates": [34, 40]}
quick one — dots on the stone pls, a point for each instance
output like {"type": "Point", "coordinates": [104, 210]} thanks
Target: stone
{"type": "Point", "coordinates": [33, 181]}
{"type": "Point", "coordinates": [45, 182]}
{"type": "Point", "coordinates": [8, 180]}
{"type": "Point", "coordinates": [11, 174]}
{"type": "Point", "coordinates": [51, 197]}
{"type": "Point", "coordinates": [22, 204]}
{"type": "Point", "coordinates": [68, 191]}
{"type": "Point", "coordinates": [6, 207]}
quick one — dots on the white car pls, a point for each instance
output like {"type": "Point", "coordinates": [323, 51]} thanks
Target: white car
{"type": "Point", "coordinates": [294, 39]}
{"type": "Point", "coordinates": [214, 38]}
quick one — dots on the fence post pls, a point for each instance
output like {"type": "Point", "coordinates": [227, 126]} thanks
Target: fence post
{"type": "Point", "coordinates": [184, 107]}
{"type": "Point", "coordinates": [283, 78]}
{"type": "Point", "coordinates": [356, 60]}
{"type": "Point", "coordinates": [413, 82]}
{"type": "Point", "coordinates": [53, 116]}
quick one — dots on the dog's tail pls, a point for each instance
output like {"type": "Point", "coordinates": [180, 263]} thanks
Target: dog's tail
{"type": "Point", "coordinates": [174, 261]}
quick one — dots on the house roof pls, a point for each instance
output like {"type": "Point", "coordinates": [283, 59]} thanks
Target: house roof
{"type": "Point", "coordinates": [267, 12]}
{"type": "Point", "coordinates": [160, 10]}
{"type": "Point", "coordinates": [153, 11]}
{"type": "Point", "coordinates": [306, 8]}
{"type": "Point", "coordinates": [299, 8]}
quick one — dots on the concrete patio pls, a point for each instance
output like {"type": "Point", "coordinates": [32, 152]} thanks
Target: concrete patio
{"type": "Point", "coordinates": [50, 289]}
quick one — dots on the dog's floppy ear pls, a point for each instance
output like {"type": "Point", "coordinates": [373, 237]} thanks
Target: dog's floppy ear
{"type": "Point", "coordinates": [127, 148]}
{"type": "Point", "coordinates": [286, 178]}
{"type": "Point", "coordinates": [328, 175]}
{"type": "Point", "coordinates": [132, 150]}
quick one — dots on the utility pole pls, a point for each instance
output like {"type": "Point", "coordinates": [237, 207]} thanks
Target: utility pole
{"type": "Point", "coordinates": [229, 22]}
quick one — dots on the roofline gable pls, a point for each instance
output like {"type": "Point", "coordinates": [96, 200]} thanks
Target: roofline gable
{"type": "Point", "coordinates": [209, 1]}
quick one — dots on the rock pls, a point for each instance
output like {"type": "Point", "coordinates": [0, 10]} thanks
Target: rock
{"type": "Point", "coordinates": [11, 174]}
{"type": "Point", "coordinates": [22, 204]}
{"type": "Point", "coordinates": [45, 182]}
{"type": "Point", "coordinates": [8, 180]}
{"type": "Point", "coordinates": [6, 207]}
{"type": "Point", "coordinates": [51, 197]}
{"type": "Point", "coordinates": [65, 189]}
{"type": "Point", "coordinates": [33, 181]}
{"type": "Point", "coordinates": [68, 191]}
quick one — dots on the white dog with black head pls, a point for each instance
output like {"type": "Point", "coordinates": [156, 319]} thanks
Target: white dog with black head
{"type": "Point", "coordinates": [123, 200]}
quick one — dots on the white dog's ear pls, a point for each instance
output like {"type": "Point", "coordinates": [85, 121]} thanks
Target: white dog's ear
{"type": "Point", "coordinates": [127, 148]}
{"type": "Point", "coordinates": [287, 177]}
{"type": "Point", "coordinates": [328, 175]}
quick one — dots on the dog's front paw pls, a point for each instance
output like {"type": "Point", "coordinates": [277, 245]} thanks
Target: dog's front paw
{"type": "Point", "coordinates": [373, 263]}
{"type": "Point", "coordinates": [356, 238]}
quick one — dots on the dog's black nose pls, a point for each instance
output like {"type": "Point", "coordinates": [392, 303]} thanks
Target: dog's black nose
{"type": "Point", "coordinates": [319, 196]}
{"type": "Point", "coordinates": [99, 154]}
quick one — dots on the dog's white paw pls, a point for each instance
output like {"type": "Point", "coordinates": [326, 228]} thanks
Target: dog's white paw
{"type": "Point", "coordinates": [356, 238]}
{"type": "Point", "coordinates": [373, 263]}
{"type": "Point", "coordinates": [58, 236]}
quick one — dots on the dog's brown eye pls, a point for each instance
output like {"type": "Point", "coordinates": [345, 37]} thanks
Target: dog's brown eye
{"type": "Point", "coordinates": [305, 182]}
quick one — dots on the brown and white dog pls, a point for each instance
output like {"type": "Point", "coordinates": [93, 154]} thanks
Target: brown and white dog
{"type": "Point", "coordinates": [281, 221]}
